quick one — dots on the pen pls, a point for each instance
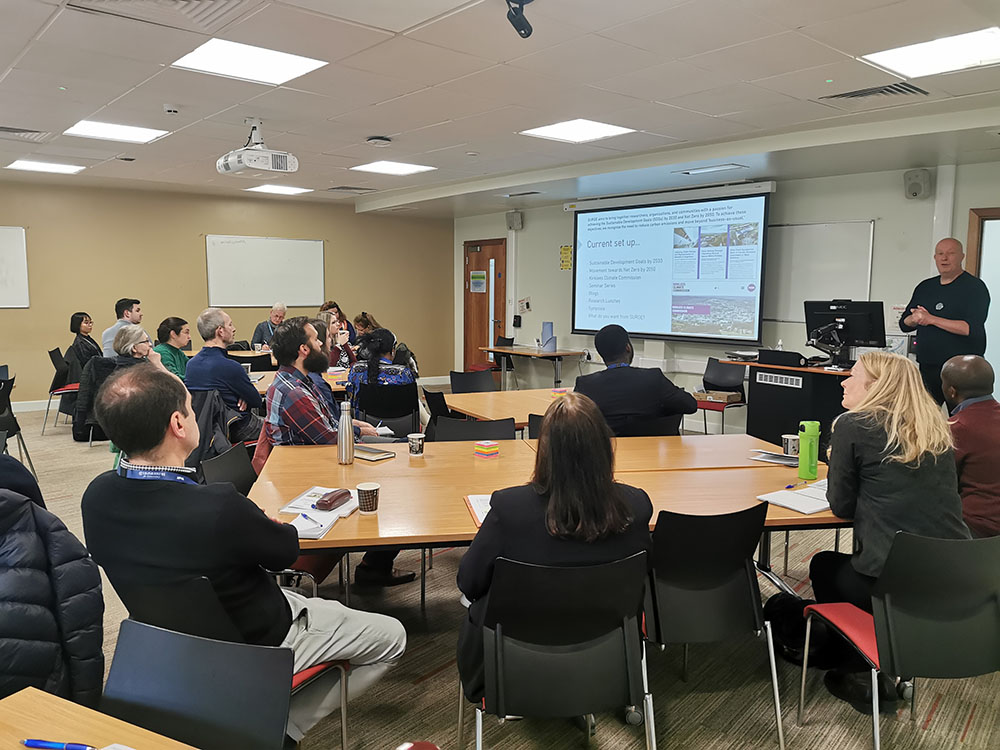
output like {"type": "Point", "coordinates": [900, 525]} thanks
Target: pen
{"type": "Point", "coordinates": [311, 520]}
{"type": "Point", "coordinates": [379, 424]}
{"type": "Point", "coordinates": [790, 486]}
{"type": "Point", "coordinates": [46, 745]}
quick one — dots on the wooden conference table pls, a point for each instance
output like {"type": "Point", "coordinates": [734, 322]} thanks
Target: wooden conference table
{"type": "Point", "coordinates": [337, 381]}
{"type": "Point", "coordinates": [39, 715]}
{"type": "Point", "coordinates": [501, 404]}
{"type": "Point", "coordinates": [421, 501]}
{"type": "Point", "coordinates": [556, 357]}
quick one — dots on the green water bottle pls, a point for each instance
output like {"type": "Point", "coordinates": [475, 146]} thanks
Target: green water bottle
{"type": "Point", "coordinates": [808, 449]}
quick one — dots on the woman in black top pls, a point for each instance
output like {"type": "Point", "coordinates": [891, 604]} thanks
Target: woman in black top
{"type": "Point", "coordinates": [891, 468]}
{"type": "Point", "coordinates": [572, 513]}
{"type": "Point", "coordinates": [83, 346]}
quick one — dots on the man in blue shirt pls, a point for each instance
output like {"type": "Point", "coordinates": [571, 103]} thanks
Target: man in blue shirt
{"type": "Point", "coordinates": [212, 370]}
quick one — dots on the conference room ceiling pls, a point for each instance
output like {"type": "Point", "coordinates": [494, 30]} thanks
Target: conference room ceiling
{"type": "Point", "coordinates": [700, 81]}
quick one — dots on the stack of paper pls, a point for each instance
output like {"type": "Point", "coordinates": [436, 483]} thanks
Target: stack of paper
{"type": "Point", "coordinates": [487, 449]}
{"type": "Point", "coordinates": [312, 523]}
{"type": "Point", "coordinates": [774, 458]}
{"type": "Point", "coordinates": [479, 506]}
{"type": "Point", "coordinates": [808, 500]}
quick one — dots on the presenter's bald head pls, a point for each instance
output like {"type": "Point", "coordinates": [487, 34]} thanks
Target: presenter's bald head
{"type": "Point", "coordinates": [948, 257]}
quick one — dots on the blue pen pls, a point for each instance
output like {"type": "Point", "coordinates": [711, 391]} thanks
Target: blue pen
{"type": "Point", "coordinates": [46, 745]}
{"type": "Point", "coordinates": [790, 486]}
{"type": "Point", "coordinates": [311, 520]}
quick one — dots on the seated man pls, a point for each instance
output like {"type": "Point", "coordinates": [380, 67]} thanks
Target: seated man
{"type": "Point", "coordinates": [265, 329]}
{"type": "Point", "coordinates": [128, 312]}
{"type": "Point", "coordinates": [967, 383]}
{"type": "Point", "coordinates": [624, 393]}
{"type": "Point", "coordinates": [149, 522]}
{"type": "Point", "coordinates": [211, 370]}
{"type": "Point", "coordinates": [297, 414]}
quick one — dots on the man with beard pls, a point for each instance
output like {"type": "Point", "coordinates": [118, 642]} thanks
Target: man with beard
{"type": "Point", "coordinates": [297, 414]}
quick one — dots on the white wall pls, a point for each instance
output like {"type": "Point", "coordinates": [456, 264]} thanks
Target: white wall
{"type": "Point", "coordinates": [902, 257]}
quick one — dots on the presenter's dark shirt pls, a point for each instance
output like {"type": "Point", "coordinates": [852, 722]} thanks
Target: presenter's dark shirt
{"type": "Point", "coordinates": [966, 298]}
{"type": "Point", "coordinates": [624, 393]}
{"type": "Point", "coordinates": [160, 531]}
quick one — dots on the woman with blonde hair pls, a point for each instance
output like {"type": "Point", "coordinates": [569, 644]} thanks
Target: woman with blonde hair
{"type": "Point", "coordinates": [891, 469]}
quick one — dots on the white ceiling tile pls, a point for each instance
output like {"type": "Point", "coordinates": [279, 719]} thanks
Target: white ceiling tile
{"type": "Point", "coordinates": [482, 30]}
{"type": "Point", "coordinates": [417, 110]}
{"type": "Point", "coordinates": [120, 37]}
{"type": "Point", "coordinates": [20, 21]}
{"type": "Point", "coordinates": [587, 59]}
{"type": "Point", "coordinates": [963, 82]}
{"type": "Point", "coordinates": [40, 113]}
{"type": "Point", "coordinates": [638, 141]}
{"type": "Point", "coordinates": [149, 116]}
{"type": "Point", "coordinates": [796, 13]}
{"type": "Point", "coordinates": [311, 144]}
{"type": "Point", "coordinates": [90, 91]}
{"type": "Point", "coordinates": [735, 97]}
{"type": "Point", "coordinates": [785, 115]}
{"type": "Point", "coordinates": [57, 60]}
{"type": "Point", "coordinates": [666, 81]}
{"type": "Point", "coordinates": [663, 119]}
{"type": "Point", "coordinates": [770, 56]}
{"type": "Point", "coordinates": [897, 25]}
{"type": "Point", "coordinates": [596, 16]}
{"type": "Point", "coordinates": [353, 88]}
{"type": "Point", "coordinates": [196, 94]}
{"type": "Point", "coordinates": [693, 28]}
{"type": "Point", "coordinates": [381, 14]}
{"type": "Point", "coordinates": [280, 109]}
{"type": "Point", "coordinates": [299, 32]}
{"type": "Point", "coordinates": [843, 77]}
{"type": "Point", "coordinates": [408, 58]}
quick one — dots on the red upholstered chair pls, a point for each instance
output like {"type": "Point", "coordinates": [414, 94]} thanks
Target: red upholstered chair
{"type": "Point", "coordinates": [722, 377]}
{"type": "Point", "coordinates": [936, 615]}
{"type": "Point", "coordinates": [59, 386]}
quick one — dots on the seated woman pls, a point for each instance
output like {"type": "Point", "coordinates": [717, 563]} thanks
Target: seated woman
{"type": "Point", "coordinates": [891, 468]}
{"type": "Point", "coordinates": [572, 513]}
{"type": "Point", "coordinates": [340, 320]}
{"type": "Point", "coordinates": [364, 323]}
{"type": "Point", "coordinates": [133, 345]}
{"type": "Point", "coordinates": [83, 347]}
{"type": "Point", "coordinates": [265, 329]}
{"type": "Point", "coordinates": [341, 352]}
{"type": "Point", "coordinates": [379, 369]}
{"type": "Point", "coordinates": [173, 334]}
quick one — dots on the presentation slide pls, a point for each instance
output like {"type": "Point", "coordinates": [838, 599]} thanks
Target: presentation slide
{"type": "Point", "coordinates": [679, 271]}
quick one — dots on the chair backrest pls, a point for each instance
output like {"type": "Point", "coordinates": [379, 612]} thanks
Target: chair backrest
{"type": "Point", "coordinates": [937, 607]}
{"type": "Point", "coordinates": [258, 362]}
{"type": "Point", "coordinates": [8, 422]}
{"type": "Point", "coordinates": [652, 427]}
{"type": "Point", "coordinates": [505, 341]}
{"type": "Point", "coordinates": [387, 400]}
{"type": "Point", "coordinates": [550, 631]}
{"type": "Point", "coordinates": [233, 466]}
{"type": "Point", "coordinates": [206, 693]}
{"type": "Point", "coordinates": [535, 425]}
{"type": "Point", "coordinates": [448, 429]}
{"type": "Point", "coordinates": [4, 372]}
{"type": "Point", "coordinates": [239, 346]}
{"type": "Point", "coordinates": [477, 381]}
{"type": "Point", "coordinates": [724, 377]}
{"type": "Point", "coordinates": [188, 606]}
{"type": "Point", "coordinates": [436, 404]}
{"type": "Point", "coordinates": [704, 582]}
{"type": "Point", "coordinates": [61, 376]}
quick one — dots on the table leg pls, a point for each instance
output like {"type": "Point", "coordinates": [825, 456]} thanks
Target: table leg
{"type": "Point", "coordinates": [557, 371]}
{"type": "Point", "coordinates": [764, 565]}
{"type": "Point", "coordinates": [503, 371]}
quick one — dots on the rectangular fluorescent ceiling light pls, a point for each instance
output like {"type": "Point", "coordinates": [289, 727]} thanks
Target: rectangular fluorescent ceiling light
{"type": "Point", "coordinates": [392, 167]}
{"type": "Point", "coordinates": [249, 63]}
{"type": "Point", "coordinates": [577, 131]}
{"type": "Point", "coordinates": [278, 189]}
{"type": "Point", "coordinates": [711, 168]}
{"type": "Point", "coordinates": [944, 55]}
{"type": "Point", "coordinates": [44, 166]}
{"type": "Point", "coordinates": [109, 131]}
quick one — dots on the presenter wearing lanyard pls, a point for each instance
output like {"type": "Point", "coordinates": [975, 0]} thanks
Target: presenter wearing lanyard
{"type": "Point", "coordinates": [265, 330]}
{"type": "Point", "coordinates": [948, 312]}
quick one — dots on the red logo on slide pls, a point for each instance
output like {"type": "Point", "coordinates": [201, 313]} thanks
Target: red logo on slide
{"type": "Point", "coordinates": [751, 287]}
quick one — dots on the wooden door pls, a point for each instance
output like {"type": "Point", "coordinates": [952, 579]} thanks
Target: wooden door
{"type": "Point", "coordinates": [485, 297]}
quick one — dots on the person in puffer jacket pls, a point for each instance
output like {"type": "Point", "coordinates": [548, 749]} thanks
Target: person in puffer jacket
{"type": "Point", "coordinates": [51, 608]}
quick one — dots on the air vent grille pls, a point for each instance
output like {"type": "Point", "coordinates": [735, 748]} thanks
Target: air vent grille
{"type": "Point", "coordinates": [279, 162]}
{"type": "Point", "coordinates": [204, 16]}
{"type": "Point", "coordinates": [351, 190]}
{"type": "Point", "coordinates": [24, 134]}
{"type": "Point", "coordinates": [892, 89]}
{"type": "Point", "coordinates": [521, 195]}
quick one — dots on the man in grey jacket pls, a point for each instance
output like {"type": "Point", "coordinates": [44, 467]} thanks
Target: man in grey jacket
{"type": "Point", "coordinates": [128, 312]}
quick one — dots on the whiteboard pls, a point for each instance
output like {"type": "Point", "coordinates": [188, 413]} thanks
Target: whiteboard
{"type": "Point", "coordinates": [259, 271]}
{"type": "Point", "coordinates": [815, 262]}
{"type": "Point", "coordinates": [13, 267]}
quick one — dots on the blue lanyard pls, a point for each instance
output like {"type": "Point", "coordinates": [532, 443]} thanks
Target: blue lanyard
{"type": "Point", "coordinates": [270, 327]}
{"type": "Point", "coordinates": [617, 364]}
{"type": "Point", "coordinates": [155, 474]}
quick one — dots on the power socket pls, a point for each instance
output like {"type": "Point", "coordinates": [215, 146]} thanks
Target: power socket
{"type": "Point", "coordinates": [586, 354]}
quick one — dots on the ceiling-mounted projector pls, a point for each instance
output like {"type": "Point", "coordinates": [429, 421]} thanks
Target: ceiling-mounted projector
{"type": "Point", "coordinates": [256, 156]}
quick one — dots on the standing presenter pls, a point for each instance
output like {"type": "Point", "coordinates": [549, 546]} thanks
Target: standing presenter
{"type": "Point", "coordinates": [948, 312]}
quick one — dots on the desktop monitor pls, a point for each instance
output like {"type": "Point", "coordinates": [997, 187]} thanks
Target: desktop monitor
{"type": "Point", "coordinates": [836, 325]}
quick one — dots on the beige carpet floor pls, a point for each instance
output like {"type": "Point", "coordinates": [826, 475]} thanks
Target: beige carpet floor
{"type": "Point", "coordinates": [726, 704]}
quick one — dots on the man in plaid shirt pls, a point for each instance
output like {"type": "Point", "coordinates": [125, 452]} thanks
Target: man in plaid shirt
{"type": "Point", "coordinates": [297, 414]}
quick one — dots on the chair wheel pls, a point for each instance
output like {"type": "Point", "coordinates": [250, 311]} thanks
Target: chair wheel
{"type": "Point", "coordinates": [633, 717]}
{"type": "Point", "coordinates": [904, 689]}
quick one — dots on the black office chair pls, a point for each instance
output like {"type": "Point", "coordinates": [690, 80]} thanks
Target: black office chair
{"type": "Point", "coordinates": [190, 609]}
{"type": "Point", "coordinates": [535, 425]}
{"type": "Point", "coordinates": [258, 362]}
{"type": "Point", "coordinates": [472, 382]}
{"type": "Point", "coordinates": [703, 586]}
{"type": "Point", "coordinates": [9, 424]}
{"type": "Point", "coordinates": [4, 372]}
{"type": "Point", "coordinates": [936, 615]}
{"type": "Point", "coordinates": [239, 346]}
{"type": "Point", "coordinates": [500, 361]}
{"type": "Point", "coordinates": [564, 642]}
{"type": "Point", "coordinates": [389, 402]}
{"type": "Point", "coordinates": [652, 427]}
{"type": "Point", "coordinates": [722, 377]}
{"type": "Point", "coordinates": [459, 429]}
{"type": "Point", "coordinates": [60, 387]}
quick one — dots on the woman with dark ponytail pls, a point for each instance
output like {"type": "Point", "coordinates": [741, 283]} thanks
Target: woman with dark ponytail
{"type": "Point", "coordinates": [379, 369]}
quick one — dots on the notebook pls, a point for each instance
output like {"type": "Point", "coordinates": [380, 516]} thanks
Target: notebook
{"type": "Point", "coordinates": [773, 458]}
{"type": "Point", "coordinates": [810, 499]}
{"type": "Point", "coordinates": [368, 453]}
{"type": "Point", "coordinates": [479, 506]}
{"type": "Point", "coordinates": [311, 523]}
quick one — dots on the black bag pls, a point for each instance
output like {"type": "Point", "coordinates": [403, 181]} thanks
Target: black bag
{"type": "Point", "coordinates": [788, 627]}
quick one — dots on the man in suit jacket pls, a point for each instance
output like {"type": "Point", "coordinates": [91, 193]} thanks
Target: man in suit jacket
{"type": "Point", "coordinates": [624, 393]}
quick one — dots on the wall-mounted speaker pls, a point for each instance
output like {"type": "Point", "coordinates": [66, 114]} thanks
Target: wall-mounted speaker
{"type": "Point", "coordinates": [515, 220]}
{"type": "Point", "coordinates": [917, 183]}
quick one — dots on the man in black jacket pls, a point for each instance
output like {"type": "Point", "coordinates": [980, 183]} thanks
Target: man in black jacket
{"type": "Point", "coordinates": [627, 394]}
{"type": "Point", "coordinates": [149, 522]}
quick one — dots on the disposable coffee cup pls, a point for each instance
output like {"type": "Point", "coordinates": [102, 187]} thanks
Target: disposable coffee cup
{"type": "Point", "coordinates": [416, 441]}
{"type": "Point", "coordinates": [368, 497]}
{"type": "Point", "coordinates": [258, 347]}
{"type": "Point", "coordinates": [790, 445]}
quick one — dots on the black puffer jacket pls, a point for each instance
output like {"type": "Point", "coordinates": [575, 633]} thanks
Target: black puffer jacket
{"type": "Point", "coordinates": [51, 607]}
